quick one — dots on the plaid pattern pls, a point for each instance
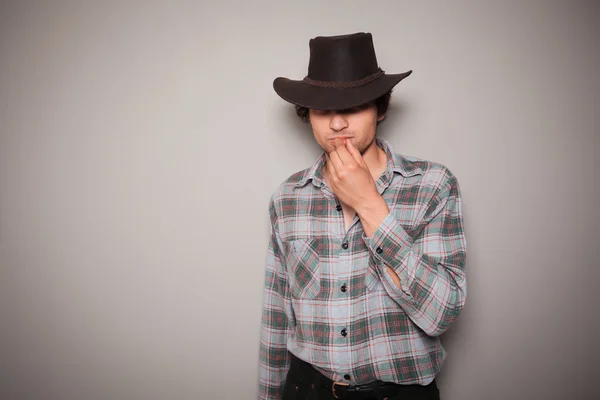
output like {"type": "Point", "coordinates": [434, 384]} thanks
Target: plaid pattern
{"type": "Point", "coordinates": [335, 306]}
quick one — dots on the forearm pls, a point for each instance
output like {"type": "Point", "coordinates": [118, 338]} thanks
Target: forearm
{"type": "Point", "coordinates": [430, 293]}
{"type": "Point", "coordinates": [274, 358]}
{"type": "Point", "coordinates": [431, 288]}
{"type": "Point", "coordinates": [273, 367]}
{"type": "Point", "coordinates": [371, 216]}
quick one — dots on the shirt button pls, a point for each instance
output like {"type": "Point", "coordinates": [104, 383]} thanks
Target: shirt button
{"type": "Point", "coordinates": [338, 207]}
{"type": "Point", "coordinates": [347, 377]}
{"type": "Point", "coordinates": [343, 288]}
{"type": "Point", "coordinates": [379, 250]}
{"type": "Point", "coordinates": [345, 245]}
{"type": "Point", "coordinates": [344, 332]}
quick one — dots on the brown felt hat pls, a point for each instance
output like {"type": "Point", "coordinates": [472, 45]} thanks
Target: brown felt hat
{"type": "Point", "coordinates": [342, 73]}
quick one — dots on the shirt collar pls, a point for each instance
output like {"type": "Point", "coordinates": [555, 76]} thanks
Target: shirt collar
{"type": "Point", "coordinates": [396, 163]}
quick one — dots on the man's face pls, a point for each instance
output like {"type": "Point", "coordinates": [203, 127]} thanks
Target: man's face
{"type": "Point", "coordinates": [357, 124]}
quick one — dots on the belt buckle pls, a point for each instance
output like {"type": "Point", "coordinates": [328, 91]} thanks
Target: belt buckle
{"type": "Point", "coordinates": [333, 388]}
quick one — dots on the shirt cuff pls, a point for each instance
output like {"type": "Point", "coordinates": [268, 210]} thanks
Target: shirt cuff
{"type": "Point", "coordinates": [391, 245]}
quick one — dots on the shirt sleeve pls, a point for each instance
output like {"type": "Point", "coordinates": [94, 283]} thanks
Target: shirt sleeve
{"type": "Point", "coordinates": [277, 311]}
{"type": "Point", "coordinates": [430, 265]}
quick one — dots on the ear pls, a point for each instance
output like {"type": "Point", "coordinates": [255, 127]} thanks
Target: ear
{"type": "Point", "coordinates": [381, 117]}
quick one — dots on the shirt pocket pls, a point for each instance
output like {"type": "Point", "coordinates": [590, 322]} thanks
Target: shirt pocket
{"type": "Point", "coordinates": [304, 270]}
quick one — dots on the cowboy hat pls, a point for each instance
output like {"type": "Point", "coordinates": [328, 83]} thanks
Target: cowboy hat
{"type": "Point", "coordinates": [342, 73]}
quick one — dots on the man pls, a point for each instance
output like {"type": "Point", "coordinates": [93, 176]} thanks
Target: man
{"type": "Point", "coordinates": [366, 258]}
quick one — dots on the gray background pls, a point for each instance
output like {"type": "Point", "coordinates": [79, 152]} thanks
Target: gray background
{"type": "Point", "coordinates": [140, 142]}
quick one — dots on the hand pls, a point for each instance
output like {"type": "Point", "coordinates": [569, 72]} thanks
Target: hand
{"type": "Point", "coordinates": [351, 181]}
{"type": "Point", "coordinates": [348, 175]}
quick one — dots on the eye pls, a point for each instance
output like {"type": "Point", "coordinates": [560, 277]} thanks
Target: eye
{"type": "Point", "coordinates": [356, 109]}
{"type": "Point", "coordinates": [319, 112]}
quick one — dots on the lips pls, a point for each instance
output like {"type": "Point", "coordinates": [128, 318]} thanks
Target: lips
{"type": "Point", "coordinates": [340, 137]}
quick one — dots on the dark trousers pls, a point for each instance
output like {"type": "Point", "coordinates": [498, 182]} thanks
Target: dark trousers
{"type": "Point", "coordinates": [303, 382]}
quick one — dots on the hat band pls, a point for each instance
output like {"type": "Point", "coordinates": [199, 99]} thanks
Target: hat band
{"type": "Point", "coordinates": [345, 85]}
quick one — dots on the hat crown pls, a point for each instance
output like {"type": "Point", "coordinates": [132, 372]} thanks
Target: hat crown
{"type": "Point", "coordinates": [345, 58]}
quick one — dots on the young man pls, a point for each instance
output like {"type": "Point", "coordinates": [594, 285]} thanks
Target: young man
{"type": "Point", "coordinates": [366, 258]}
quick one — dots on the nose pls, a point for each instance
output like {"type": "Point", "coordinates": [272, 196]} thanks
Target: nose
{"type": "Point", "coordinates": [338, 122]}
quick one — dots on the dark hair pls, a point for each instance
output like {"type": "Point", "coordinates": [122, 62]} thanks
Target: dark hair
{"type": "Point", "coordinates": [382, 103]}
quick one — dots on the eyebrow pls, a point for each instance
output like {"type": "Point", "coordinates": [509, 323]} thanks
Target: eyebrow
{"type": "Point", "coordinates": [346, 110]}
{"type": "Point", "coordinates": [355, 108]}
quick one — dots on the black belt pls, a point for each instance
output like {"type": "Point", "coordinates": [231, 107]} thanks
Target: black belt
{"type": "Point", "coordinates": [375, 390]}
{"type": "Point", "coordinates": [339, 390]}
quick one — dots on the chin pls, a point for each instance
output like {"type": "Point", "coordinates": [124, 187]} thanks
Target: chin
{"type": "Point", "coordinates": [360, 147]}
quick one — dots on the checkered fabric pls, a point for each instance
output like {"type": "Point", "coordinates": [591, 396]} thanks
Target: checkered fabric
{"type": "Point", "coordinates": [328, 298]}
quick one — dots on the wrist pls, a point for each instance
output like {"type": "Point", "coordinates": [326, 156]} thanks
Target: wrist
{"type": "Point", "coordinates": [372, 213]}
{"type": "Point", "coordinates": [373, 205]}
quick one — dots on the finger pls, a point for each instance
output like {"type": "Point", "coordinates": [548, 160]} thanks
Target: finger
{"type": "Point", "coordinates": [336, 162]}
{"type": "Point", "coordinates": [355, 154]}
{"type": "Point", "coordinates": [344, 154]}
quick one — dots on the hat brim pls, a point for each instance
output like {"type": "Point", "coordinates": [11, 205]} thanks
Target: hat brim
{"type": "Point", "coordinates": [321, 98]}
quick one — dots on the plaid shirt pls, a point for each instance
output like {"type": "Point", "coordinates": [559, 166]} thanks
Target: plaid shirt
{"type": "Point", "coordinates": [328, 298]}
